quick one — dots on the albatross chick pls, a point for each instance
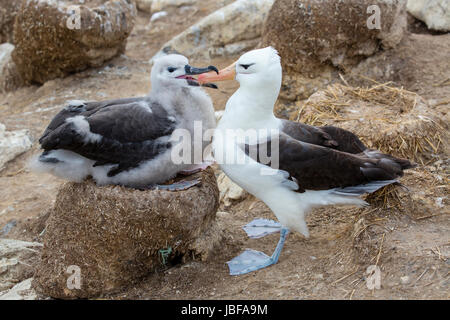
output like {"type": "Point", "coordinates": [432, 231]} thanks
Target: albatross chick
{"type": "Point", "coordinates": [130, 141]}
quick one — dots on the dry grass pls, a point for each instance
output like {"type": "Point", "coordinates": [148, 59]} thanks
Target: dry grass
{"type": "Point", "coordinates": [386, 197]}
{"type": "Point", "coordinates": [392, 120]}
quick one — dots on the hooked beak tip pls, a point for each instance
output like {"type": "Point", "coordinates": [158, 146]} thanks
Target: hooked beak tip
{"type": "Point", "coordinates": [212, 68]}
{"type": "Point", "coordinates": [196, 71]}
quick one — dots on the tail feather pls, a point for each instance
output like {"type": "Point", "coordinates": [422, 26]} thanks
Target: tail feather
{"type": "Point", "coordinates": [384, 173]}
{"type": "Point", "coordinates": [405, 164]}
{"type": "Point", "coordinates": [363, 188]}
{"type": "Point", "coordinates": [46, 158]}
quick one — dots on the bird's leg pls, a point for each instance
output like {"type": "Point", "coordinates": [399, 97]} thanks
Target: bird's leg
{"type": "Point", "coordinates": [177, 186]}
{"type": "Point", "coordinates": [276, 254]}
{"type": "Point", "coordinates": [196, 168]}
{"type": "Point", "coordinates": [259, 228]}
{"type": "Point", "coordinates": [251, 260]}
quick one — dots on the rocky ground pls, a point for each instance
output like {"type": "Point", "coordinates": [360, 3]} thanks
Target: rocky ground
{"type": "Point", "coordinates": [410, 244]}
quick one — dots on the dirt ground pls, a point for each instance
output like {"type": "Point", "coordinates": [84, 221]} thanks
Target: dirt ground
{"type": "Point", "coordinates": [411, 245]}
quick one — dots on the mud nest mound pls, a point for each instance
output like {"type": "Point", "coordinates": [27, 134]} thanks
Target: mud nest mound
{"type": "Point", "coordinates": [311, 35]}
{"type": "Point", "coordinates": [56, 38]}
{"type": "Point", "coordinates": [111, 237]}
{"type": "Point", "coordinates": [390, 119]}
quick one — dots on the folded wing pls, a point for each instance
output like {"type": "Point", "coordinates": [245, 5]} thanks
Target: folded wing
{"type": "Point", "coordinates": [120, 132]}
{"type": "Point", "coordinates": [316, 167]}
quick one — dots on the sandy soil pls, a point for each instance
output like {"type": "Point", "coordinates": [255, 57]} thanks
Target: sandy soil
{"type": "Point", "coordinates": [411, 245]}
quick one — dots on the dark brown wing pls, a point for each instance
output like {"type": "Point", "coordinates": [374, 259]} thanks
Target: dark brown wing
{"type": "Point", "coordinates": [317, 167]}
{"type": "Point", "coordinates": [75, 108]}
{"type": "Point", "coordinates": [327, 136]}
{"type": "Point", "coordinates": [129, 132]}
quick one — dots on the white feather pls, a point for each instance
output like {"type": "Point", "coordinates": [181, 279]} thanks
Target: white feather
{"type": "Point", "coordinates": [84, 129]}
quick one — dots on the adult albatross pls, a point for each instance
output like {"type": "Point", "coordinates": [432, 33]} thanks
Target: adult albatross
{"type": "Point", "coordinates": [316, 166]}
{"type": "Point", "coordinates": [129, 141]}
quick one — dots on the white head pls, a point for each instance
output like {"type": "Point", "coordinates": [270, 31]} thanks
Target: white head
{"type": "Point", "coordinates": [259, 69]}
{"type": "Point", "coordinates": [254, 69]}
{"type": "Point", "coordinates": [258, 72]}
{"type": "Point", "coordinates": [174, 71]}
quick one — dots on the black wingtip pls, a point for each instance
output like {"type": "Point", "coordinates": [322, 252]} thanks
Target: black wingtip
{"type": "Point", "coordinates": [405, 164]}
{"type": "Point", "coordinates": [410, 165]}
{"type": "Point", "coordinates": [43, 158]}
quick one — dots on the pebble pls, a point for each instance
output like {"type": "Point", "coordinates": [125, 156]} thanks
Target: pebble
{"type": "Point", "coordinates": [158, 15]}
{"type": "Point", "coordinates": [404, 280]}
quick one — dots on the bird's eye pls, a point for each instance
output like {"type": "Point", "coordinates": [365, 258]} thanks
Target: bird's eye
{"type": "Point", "coordinates": [246, 66]}
{"type": "Point", "coordinates": [171, 69]}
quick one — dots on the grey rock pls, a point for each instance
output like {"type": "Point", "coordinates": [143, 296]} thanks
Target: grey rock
{"type": "Point", "coordinates": [10, 78]}
{"type": "Point", "coordinates": [12, 144]}
{"type": "Point", "coordinates": [228, 31]}
{"type": "Point", "coordinates": [17, 259]}
{"type": "Point", "coordinates": [160, 5]}
{"type": "Point", "coordinates": [229, 191]}
{"type": "Point", "coordinates": [8, 227]}
{"type": "Point", "coordinates": [435, 13]}
{"type": "Point", "coordinates": [21, 291]}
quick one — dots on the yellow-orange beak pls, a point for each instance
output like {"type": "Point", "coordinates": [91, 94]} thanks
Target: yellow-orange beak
{"type": "Point", "coordinates": [229, 73]}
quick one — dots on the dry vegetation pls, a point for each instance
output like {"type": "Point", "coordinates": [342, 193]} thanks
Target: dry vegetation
{"type": "Point", "coordinates": [385, 117]}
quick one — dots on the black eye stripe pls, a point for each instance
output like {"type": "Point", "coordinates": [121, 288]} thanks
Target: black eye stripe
{"type": "Point", "coordinates": [246, 66]}
{"type": "Point", "coordinates": [171, 69]}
